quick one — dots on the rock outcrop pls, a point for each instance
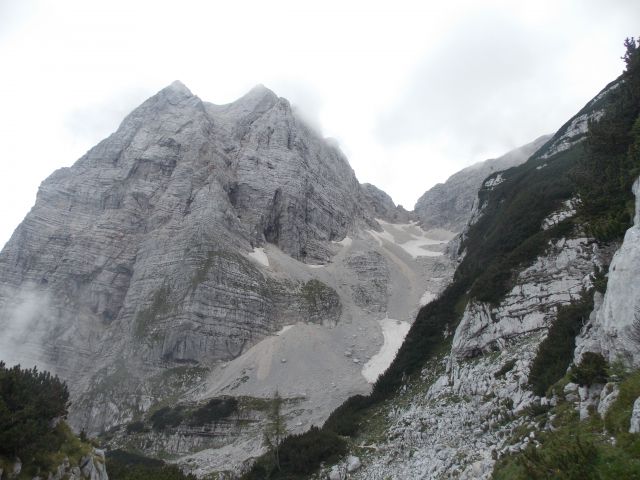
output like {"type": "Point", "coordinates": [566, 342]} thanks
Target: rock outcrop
{"type": "Point", "coordinates": [381, 205]}
{"type": "Point", "coordinates": [553, 280]}
{"type": "Point", "coordinates": [89, 467]}
{"type": "Point", "coordinates": [614, 327]}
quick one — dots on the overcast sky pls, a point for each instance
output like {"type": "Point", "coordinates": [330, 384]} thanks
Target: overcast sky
{"type": "Point", "coordinates": [412, 91]}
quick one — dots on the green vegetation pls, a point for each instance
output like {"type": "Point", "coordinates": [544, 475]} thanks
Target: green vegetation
{"type": "Point", "coordinates": [160, 305]}
{"type": "Point", "coordinates": [605, 175]}
{"type": "Point", "coordinates": [317, 296]}
{"type": "Point", "coordinates": [591, 370]}
{"type": "Point", "coordinates": [591, 449]}
{"type": "Point", "coordinates": [167, 417]}
{"type": "Point", "coordinates": [275, 431]}
{"type": "Point", "coordinates": [508, 236]}
{"type": "Point", "coordinates": [33, 405]}
{"type": "Point", "coordinates": [619, 415]}
{"type": "Point", "coordinates": [506, 368]}
{"type": "Point", "coordinates": [30, 401]}
{"type": "Point", "coordinates": [299, 456]}
{"type": "Point", "coordinates": [600, 279]}
{"type": "Point", "coordinates": [215, 410]}
{"type": "Point", "coordinates": [123, 465]}
{"type": "Point", "coordinates": [555, 353]}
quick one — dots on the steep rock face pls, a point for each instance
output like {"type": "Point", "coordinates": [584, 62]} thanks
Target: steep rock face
{"type": "Point", "coordinates": [382, 206]}
{"type": "Point", "coordinates": [613, 327]}
{"type": "Point", "coordinates": [293, 189]}
{"type": "Point", "coordinates": [449, 205]}
{"type": "Point", "coordinates": [143, 253]}
{"type": "Point", "coordinates": [554, 280]}
{"type": "Point", "coordinates": [575, 130]}
{"type": "Point", "coordinates": [88, 467]}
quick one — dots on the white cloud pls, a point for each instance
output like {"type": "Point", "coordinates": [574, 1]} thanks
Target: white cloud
{"type": "Point", "coordinates": [377, 76]}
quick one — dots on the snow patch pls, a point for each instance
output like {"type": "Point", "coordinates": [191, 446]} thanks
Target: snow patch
{"type": "Point", "coordinates": [414, 247]}
{"type": "Point", "coordinates": [345, 242]}
{"type": "Point", "coordinates": [284, 329]}
{"type": "Point", "coordinates": [259, 256]}
{"type": "Point", "coordinates": [394, 332]}
{"type": "Point", "coordinates": [427, 297]}
{"type": "Point", "coordinates": [408, 236]}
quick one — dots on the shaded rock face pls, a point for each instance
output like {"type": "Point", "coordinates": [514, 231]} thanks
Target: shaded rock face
{"type": "Point", "coordinates": [449, 205]}
{"type": "Point", "coordinates": [382, 206]}
{"type": "Point", "coordinates": [138, 253]}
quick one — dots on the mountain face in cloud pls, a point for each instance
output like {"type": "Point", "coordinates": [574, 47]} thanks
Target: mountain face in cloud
{"type": "Point", "coordinates": [148, 254]}
{"type": "Point", "coordinates": [449, 205]}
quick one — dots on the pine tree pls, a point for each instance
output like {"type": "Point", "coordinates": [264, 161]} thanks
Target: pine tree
{"type": "Point", "coordinates": [275, 429]}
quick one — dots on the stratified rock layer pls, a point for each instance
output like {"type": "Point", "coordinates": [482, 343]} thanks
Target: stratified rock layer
{"type": "Point", "coordinates": [139, 254]}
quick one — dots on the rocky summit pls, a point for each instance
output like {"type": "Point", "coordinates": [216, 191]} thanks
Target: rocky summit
{"type": "Point", "coordinates": [205, 250]}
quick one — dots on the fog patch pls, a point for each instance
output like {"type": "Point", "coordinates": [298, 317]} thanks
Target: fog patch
{"type": "Point", "coordinates": [95, 121]}
{"type": "Point", "coordinates": [23, 329]}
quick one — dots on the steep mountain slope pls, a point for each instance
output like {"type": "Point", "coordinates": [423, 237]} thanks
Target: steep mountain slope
{"type": "Point", "coordinates": [448, 205]}
{"type": "Point", "coordinates": [162, 268]}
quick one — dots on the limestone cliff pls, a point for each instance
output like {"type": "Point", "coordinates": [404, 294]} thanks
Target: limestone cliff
{"type": "Point", "coordinates": [210, 250]}
{"type": "Point", "coordinates": [139, 254]}
{"type": "Point", "coordinates": [613, 328]}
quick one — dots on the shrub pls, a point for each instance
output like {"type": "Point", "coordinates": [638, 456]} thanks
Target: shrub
{"type": "Point", "coordinates": [30, 401]}
{"type": "Point", "coordinates": [555, 353]}
{"type": "Point", "coordinates": [506, 368]}
{"type": "Point", "coordinates": [213, 411]}
{"type": "Point", "coordinates": [167, 417]}
{"type": "Point", "coordinates": [300, 455]}
{"type": "Point", "coordinates": [577, 449]}
{"type": "Point", "coordinates": [604, 176]}
{"type": "Point", "coordinates": [592, 370]}
{"type": "Point", "coordinates": [136, 427]}
{"type": "Point", "coordinates": [122, 465]}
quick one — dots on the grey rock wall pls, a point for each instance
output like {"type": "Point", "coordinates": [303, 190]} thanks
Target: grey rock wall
{"type": "Point", "coordinates": [613, 328]}
{"type": "Point", "coordinates": [137, 255]}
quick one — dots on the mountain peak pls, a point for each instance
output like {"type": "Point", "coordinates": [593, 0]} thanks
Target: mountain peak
{"type": "Point", "coordinates": [179, 87]}
{"type": "Point", "coordinates": [257, 95]}
{"type": "Point", "coordinates": [175, 92]}
{"type": "Point", "coordinates": [261, 91]}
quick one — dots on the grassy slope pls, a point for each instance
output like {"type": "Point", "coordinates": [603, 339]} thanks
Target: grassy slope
{"type": "Point", "coordinates": [573, 449]}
